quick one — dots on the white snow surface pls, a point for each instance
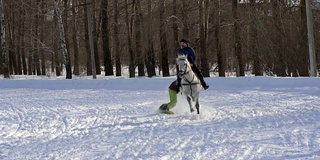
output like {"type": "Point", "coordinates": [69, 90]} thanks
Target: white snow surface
{"type": "Point", "coordinates": [117, 118]}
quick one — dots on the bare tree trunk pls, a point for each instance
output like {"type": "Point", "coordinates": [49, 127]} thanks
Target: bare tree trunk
{"type": "Point", "coordinates": [4, 56]}
{"type": "Point", "coordinates": [43, 59]}
{"type": "Point", "coordinates": [87, 41]}
{"type": "Point", "coordinates": [56, 54]}
{"type": "Point", "coordinates": [257, 70]}
{"type": "Point", "coordinates": [138, 28]}
{"type": "Point", "coordinates": [30, 46]}
{"type": "Point", "coordinates": [163, 41]}
{"type": "Point", "coordinates": [203, 12]}
{"type": "Point", "coordinates": [237, 39]}
{"type": "Point", "coordinates": [76, 69]}
{"type": "Point", "coordinates": [280, 64]}
{"type": "Point", "coordinates": [36, 40]}
{"type": "Point", "coordinates": [220, 54]}
{"type": "Point", "coordinates": [185, 11]}
{"type": "Point", "coordinates": [150, 57]}
{"type": "Point", "coordinates": [129, 38]}
{"type": "Point", "coordinates": [12, 54]}
{"type": "Point", "coordinates": [63, 41]}
{"type": "Point", "coordinates": [66, 25]}
{"type": "Point", "coordinates": [95, 42]}
{"type": "Point", "coordinates": [90, 31]}
{"type": "Point", "coordinates": [11, 39]}
{"type": "Point", "coordinates": [175, 25]}
{"type": "Point", "coordinates": [95, 46]}
{"type": "Point", "coordinates": [22, 42]}
{"type": "Point", "coordinates": [116, 38]}
{"type": "Point", "coordinates": [19, 46]}
{"type": "Point", "coordinates": [303, 65]}
{"type": "Point", "coordinates": [105, 39]}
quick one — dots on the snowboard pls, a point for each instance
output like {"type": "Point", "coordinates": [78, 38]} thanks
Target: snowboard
{"type": "Point", "coordinates": [167, 112]}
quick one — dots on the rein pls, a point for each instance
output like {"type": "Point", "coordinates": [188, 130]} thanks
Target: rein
{"type": "Point", "coordinates": [191, 82]}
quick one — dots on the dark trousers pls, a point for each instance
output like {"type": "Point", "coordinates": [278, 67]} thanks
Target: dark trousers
{"type": "Point", "coordinates": [196, 70]}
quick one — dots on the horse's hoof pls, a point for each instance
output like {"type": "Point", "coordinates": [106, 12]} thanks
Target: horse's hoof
{"type": "Point", "coordinates": [191, 110]}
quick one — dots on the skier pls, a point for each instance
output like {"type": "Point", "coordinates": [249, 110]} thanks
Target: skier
{"type": "Point", "coordinates": [189, 52]}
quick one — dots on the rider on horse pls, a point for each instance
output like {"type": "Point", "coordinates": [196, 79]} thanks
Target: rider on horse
{"type": "Point", "coordinates": [174, 87]}
{"type": "Point", "coordinates": [189, 52]}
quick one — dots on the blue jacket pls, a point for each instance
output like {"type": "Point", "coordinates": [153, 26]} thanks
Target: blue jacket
{"type": "Point", "coordinates": [188, 51]}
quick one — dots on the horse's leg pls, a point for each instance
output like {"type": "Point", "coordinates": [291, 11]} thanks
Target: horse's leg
{"type": "Point", "coordinates": [196, 99]}
{"type": "Point", "coordinates": [190, 104]}
{"type": "Point", "coordinates": [198, 106]}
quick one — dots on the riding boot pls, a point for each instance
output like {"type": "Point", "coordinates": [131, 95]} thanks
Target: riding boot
{"type": "Point", "coordinates": [200, 76]}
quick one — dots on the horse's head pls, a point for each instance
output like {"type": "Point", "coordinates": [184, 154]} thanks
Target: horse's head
{"type": "Point", "coordinates": [183, 64]}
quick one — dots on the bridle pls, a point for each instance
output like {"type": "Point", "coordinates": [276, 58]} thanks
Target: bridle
{"type": "Point", "coordinates": [184, 72]}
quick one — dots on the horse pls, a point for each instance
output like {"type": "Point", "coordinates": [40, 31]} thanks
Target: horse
{"type": "Point", "coordinates": [190, 83]}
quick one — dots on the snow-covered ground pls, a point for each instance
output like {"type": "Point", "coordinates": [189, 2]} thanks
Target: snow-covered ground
{"type": "Point", "coordinates": [241, 118]}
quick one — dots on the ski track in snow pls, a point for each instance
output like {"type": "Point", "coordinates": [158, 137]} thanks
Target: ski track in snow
{"type": "Point", "coordinates": [241, 118]}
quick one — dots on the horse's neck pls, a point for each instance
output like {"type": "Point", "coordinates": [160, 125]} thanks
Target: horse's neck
{"type": "Point", "coordinates": [190, 76]}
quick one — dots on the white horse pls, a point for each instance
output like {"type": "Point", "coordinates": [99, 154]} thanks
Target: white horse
{"type": "Point", "coordinates": [190, 83]}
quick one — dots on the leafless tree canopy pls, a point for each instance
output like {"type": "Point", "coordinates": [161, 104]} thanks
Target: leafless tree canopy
{"type": "Point", "coordinates": [141, 37]}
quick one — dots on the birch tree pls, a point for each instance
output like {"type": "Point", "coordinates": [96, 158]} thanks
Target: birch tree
{"type": "Point", "coordinates": [63, 41]}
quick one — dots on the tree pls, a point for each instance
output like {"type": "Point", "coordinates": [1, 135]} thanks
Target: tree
{"type": "Point", "coordinates": [257, 70]}
{"type": "Point", "coordinates": [56, 53]}
{"type": "Point", "coordinates": [76, 69]}
{"type": "Point", "coordinates": [129, 23]}
{"type": "Point", "coordinates": [163, 41]}
{"type": "Point", "coordinates": [138, 36]}
{"type": "Point", "coordinates": [42, 37]}
{"type": "Point", "coordinates": [36, 40]}
{"type": "Point", "coordinates": [20, 40]}
{"type": "Point", "coordinates": [105, 39]}
{"type": "Point", "coordinates": [175, 27]}
{"type": "Point", "coordinates": [91, 41]}
{"type": "Point", "coordinates": [221, 56]}
{"type": "Point", "coordinates": [203, 20]}
{"type": "Point", "coordinates": [11, 31]}
{"type": "Point", "coordinates": [116, 38]}
{"type": "Point", "coordinates": [63, 41]}
{"type": "Point", "coordinates": [95, 38]}
{"type": "Point", "coordinates": [280, 64]}
{"type": "Point", "coordinates": [150, 56]}
{"type": "Point", "coordinates": [237, 38]}
{"type": "Point", "coordinates": [87, 41]}
{"type": "Point", "coordinates": [5, 63]}
{"type": "Point", "coordinates": [185, 9]}
{"type": "Point", "coordinates": [302, 62]}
